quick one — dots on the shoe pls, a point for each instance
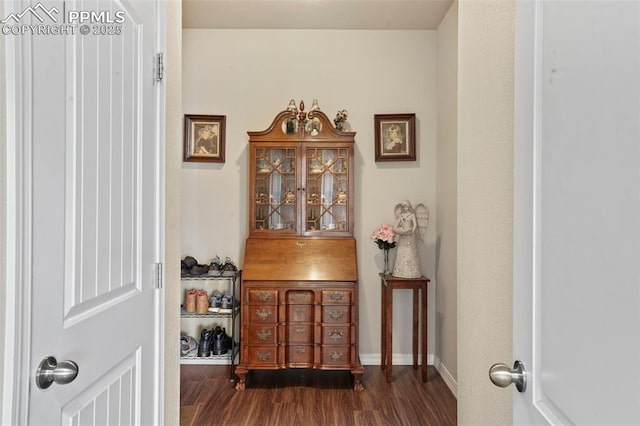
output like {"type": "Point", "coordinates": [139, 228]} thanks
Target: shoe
{"type": "Point", "coordinates": [199, 269]}
{"type": "Point", "coordinates": [190, 261]}
{"type": "Point", "coordinates": [206, 339]}
{"type": "Point", "coordinates": [202, 302]}
{"type": "Point", "coordinates": [184, 270]}
{"type": "Point", "coordinates": [221, 341]}
{"type": "Point", "coordinates": [190, 297]}
{"type": "Point", "coordinates": [226, 305]}
{"type": "Point", "coordinates": [229, 268]}
{"type": "Point", "coordinates": [216, 301]}
{"type": "Point", "coordinates": [215, 267]}
{"type": "Point", "coordinates": [188, 346]}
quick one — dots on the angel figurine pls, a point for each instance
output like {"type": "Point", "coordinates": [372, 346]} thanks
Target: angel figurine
{"type": "Point", "coordinates": [409, 222]}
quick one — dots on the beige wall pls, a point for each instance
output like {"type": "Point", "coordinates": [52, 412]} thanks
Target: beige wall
{"type": "Point", "coordinates": [173, 162]}
{"type": "Point", "coordinates": [485, 201]}
{"type": "Point", "coordinates": [446, 197]}
{"type": "Point", "coordinates": [250, 75]}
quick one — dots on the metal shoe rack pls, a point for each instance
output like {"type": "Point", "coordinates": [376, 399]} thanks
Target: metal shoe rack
{"type": "Point", "coordinates": [196, 322]}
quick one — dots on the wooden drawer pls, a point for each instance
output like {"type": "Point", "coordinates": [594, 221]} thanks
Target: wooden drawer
{"type": "Point", "coordinates": [263, 314]}
{"type": "Point", "coordinates": [339, 356]}
{"type": "Point", "coordinates": [269, 297]}
{"type": "Point", "coordinates": [336, 335]}
{"type": "Point", "coordinates": [299, 334]}
{"type": "Point", "coordinates": [299, 296]}
{"type": "Point", "coordinates": [336, 296]}
{"type": "Point", "coordinates": [300, 354]}
{"type": "Point", "coordinates": [336, 313]}
{"type": "Point", "coordinates": [263, 356]}
{"type": "Point", "coordinates": [299, 313]}
{"type": "Point", "coordinates": [262, 335]}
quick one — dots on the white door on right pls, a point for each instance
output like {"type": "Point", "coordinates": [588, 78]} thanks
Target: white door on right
{"type": "Point", "coordinates": [577, 212]}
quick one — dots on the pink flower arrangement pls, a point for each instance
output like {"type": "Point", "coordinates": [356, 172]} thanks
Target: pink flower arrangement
{"type": "Point", "coordinates": [384, 237]}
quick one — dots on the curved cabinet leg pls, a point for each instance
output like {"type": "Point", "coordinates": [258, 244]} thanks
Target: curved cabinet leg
{"type": "Point", "coordinates": [357, 384]}
{"type": "Point", "coordinates": [241, 372]}
{"type": "Point", "coordinates": [357, 374]}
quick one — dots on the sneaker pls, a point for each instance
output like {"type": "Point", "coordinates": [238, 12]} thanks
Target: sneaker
{"type": "Point", "coordinates": [216, 301]}
{"type": "Point", "coordinates": [229, 268]}
{"type": "Point", "coordinates": [206, 339]}
{"type": "Point", "coordinates": [188, 346]}
{"type": "Point", "coordinates": [215, 267]}
{"type": "Point", "coordinates": [226, 305]}
{"type": "Point", "coordinates": [221, 341]}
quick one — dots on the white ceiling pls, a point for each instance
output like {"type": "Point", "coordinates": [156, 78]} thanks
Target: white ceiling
{"type": "Point", "coordinates": [315, 14]}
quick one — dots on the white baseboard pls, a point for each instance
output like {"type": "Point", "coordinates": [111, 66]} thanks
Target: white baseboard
{"type": "Point", "coordinates": [447, 377]}
{"type": "Point", "coordinates": [396, 359]}
{"type": "Point", "coordinates": [407, 359]}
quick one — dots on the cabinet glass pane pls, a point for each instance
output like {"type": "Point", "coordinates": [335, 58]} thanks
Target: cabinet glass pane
{"type": "Point", "coordinates": [275, 203]}
{"type": "Point", "coordinates": [327, 188]}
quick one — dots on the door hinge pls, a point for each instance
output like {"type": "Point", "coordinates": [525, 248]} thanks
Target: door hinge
{"type": "Point", "coordinates": [158, 275]}
{"type": "Point", "coordinates": [159, 67]}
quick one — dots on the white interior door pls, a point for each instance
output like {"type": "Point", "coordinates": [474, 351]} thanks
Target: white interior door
{"type": "Point", "coordinates": [89, 125]}
{"type": "Point", "coordinates": [577, 212]}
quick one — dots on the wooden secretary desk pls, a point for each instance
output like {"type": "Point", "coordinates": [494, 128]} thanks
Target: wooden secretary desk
{"type": "Point", "coordinates": [299, 296]}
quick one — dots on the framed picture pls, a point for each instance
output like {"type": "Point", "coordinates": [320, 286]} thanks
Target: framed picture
{"type": "Point", "coordinates": [204, 138]}
{"type": "Point", "coordinates": [395, 137]}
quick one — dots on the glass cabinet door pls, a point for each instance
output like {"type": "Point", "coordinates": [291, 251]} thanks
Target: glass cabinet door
{"type": "Point", "coordinates": [327, 189]}
{"type": "Point", "coordinates": [275, 189]}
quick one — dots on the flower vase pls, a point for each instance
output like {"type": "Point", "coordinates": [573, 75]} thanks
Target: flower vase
{"type": "Point", "coordinates": [387, 269]}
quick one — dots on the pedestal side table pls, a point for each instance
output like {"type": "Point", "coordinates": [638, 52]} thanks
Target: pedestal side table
{"type": "Point", "coordinates": [388, 283]}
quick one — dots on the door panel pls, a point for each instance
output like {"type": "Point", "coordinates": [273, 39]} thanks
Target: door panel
{"type": "Point", "coordinates": [108, 400]}
{"type": "Point", "coordinates": [577, 212]}
{"type": "Point", "coordinates": [327, 186]}
{"type": "Point", "coordinates": [102, 180]}
{"type": "Point", "coordinates": [276, 183]}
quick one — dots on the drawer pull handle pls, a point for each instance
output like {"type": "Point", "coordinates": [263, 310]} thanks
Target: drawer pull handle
{"type": "Point", "coordinates": [263, 297]}
{"type": "Point", "coordinates": [300, 330]}
{"type": "Point", "coordinates": [263, 314]}
{"type": "Point", "coordinates": [263, 335]}
{"type": "Point", "coordinates": [336, 335]}
{"type": "Point", "coordinates": [301, 350]}
{"type": "Point", "coordinates": [335, 356]}
{"type": "Point", "coordinates": [301, 244]}
{"type": "Point", "coordinates": [336, 297]}
{"type": "Point", "coordinates": [263, 356]}
{"type": "Point", "coordinates": [336, 314]}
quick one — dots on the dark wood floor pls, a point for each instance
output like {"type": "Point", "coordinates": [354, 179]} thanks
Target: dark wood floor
{"type": "Point", "coordinates": [308, 397]}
